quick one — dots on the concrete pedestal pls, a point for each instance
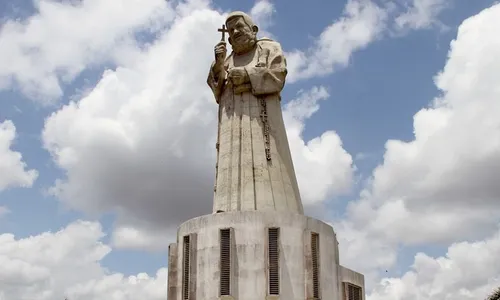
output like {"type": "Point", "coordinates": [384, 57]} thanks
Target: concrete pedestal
{"type": "Point", "coordinates": [249, 257]}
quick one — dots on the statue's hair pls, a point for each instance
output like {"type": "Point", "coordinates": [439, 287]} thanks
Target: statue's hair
{"type": "Point", "coordinates": [248, 20]}
{"type": "Point", "coordinates": [495, 295]}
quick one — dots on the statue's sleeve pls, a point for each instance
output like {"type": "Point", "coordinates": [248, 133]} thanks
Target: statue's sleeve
{"type": "Point", "coordinates": [270, 77]}
{"type": "Point", "coordinates": [215, 83]}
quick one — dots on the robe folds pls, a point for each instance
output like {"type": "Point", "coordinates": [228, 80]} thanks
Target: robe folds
{"type": "Point", "coordinates": [254, 169]}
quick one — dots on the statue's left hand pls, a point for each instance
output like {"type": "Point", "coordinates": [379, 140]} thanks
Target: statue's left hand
{"type": "Point", "coordinates": [238, 76]}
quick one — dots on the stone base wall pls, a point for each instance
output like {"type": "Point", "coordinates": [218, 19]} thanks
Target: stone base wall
{"type": "Point", "coordinates": [348, 276]}
{"type": "Point", "coordinates": [302, 273]}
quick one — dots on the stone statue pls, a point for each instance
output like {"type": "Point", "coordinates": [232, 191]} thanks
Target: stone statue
{"type": "Point", "coordinates": [254, 168]}
{"type": "Point", "coordinates": [257, 244]}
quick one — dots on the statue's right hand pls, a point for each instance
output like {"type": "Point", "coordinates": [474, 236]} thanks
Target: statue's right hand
{"type": "Point", "coordinates": [220, 52]}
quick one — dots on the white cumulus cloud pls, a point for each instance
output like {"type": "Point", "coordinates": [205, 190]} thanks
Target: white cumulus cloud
{"type": "Point", "coordinates": [67, 264]}
{"type": "Point", "coordinates": [362, 22]}
{"type": "Point", "coordinates": [324, 169]}
{"type": "Point", "coordinates": [144, 137]}
{"type": "Point", "coordinates": [151, 239]}
{"type": "Point", "coordinates": [13, 170]}
{"type": "Point", "coordinates": [262, 13]}
{"type": "Point", "coordinates": [442, 186]}
{"type": "Point", "coordinates": [41, 53]}
{"type": "Point", "coordinates": [468, 271]}
{"type": "Point", "coordinates": [420, 14]}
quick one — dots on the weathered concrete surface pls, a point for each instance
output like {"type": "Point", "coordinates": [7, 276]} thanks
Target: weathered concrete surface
{"type": "Point", "coordinates": [172, 272]}
{"type": "Point", "coordinates": [249, 261]}
{"type": "Point", "coordinates": [352, 277]}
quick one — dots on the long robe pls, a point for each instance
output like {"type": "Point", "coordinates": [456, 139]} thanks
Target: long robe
{"type": "Point", "coordinates": [254, 169]}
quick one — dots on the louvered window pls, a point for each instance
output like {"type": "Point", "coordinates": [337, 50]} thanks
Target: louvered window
{"type": "Point", "coordinates": [315, 264]}
{"type": "Point", "coordinates": [353, 292]}
{"type": "Point", "coordinates": [186, 267]}
{"type": "Point", "coordinates": [274, 267]}
{"type": "Point", "coordinates": [225, 262]}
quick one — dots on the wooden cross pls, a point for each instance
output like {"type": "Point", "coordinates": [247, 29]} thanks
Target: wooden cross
{"type": "Point", "coordinates": [223, 30]}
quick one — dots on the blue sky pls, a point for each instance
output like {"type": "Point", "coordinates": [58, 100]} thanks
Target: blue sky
{"type": "Point", "coordinates": [400, 207]}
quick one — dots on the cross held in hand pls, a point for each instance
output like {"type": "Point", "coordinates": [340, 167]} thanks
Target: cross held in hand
{"type": "Point", "coordinates": [223, 30]}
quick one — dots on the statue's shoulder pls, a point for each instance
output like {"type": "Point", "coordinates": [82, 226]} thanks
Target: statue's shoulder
{"type": "Point", "coordinates": [272, 45]}
{"type": "Point", "coordinates": [268, 42]}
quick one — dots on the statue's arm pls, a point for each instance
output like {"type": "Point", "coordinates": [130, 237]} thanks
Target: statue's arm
{"type": "Point", "coordinates": [269, 78]}
{"type": "Point", "coordinates": [214, 82]}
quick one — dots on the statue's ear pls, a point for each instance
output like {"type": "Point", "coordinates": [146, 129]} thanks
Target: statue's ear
{"type": "Point", "coordinates": [255, 28]}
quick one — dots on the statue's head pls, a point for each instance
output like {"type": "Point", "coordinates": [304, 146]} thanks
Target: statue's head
{"type": "Point", "coordinates": [242, 31]}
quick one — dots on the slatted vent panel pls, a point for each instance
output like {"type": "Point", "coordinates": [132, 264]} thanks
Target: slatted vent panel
{"type": "Point", "coordinates": [315, 264]}
{"type": "Point", "coordinates": [274, 267]}
{"type": "Point", "coordinates": [354, 292]}
{"type": "Point", "coordinates": [185, 267]}
{"type": "Point", "coordinates": [225, 262]}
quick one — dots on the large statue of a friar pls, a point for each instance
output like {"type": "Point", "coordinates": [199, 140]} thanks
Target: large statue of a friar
{"type": "Point", "coordinates": [254, 164]}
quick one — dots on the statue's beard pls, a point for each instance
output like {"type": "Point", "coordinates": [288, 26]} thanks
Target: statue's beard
{"type": "Point", "coordinates": [244, 44]}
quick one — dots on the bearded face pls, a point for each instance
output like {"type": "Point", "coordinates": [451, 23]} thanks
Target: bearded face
{"type": "Point", "coordinates": [242, 36]}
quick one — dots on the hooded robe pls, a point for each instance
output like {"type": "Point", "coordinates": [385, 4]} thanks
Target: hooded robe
{"type": "Point", "coordinates": [254, 169]}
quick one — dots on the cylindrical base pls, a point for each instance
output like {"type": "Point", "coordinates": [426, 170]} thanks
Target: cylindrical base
{"type": "Point", "coordinates": [307, 257]}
